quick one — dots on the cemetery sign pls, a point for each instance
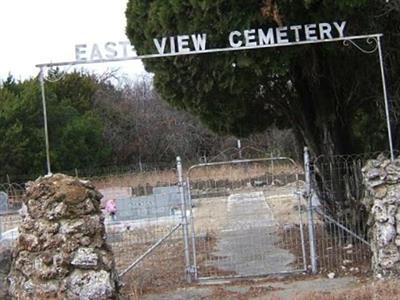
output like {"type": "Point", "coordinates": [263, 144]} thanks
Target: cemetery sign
{"type": "Point", "coordinates": [196, 43]}
{"type": "Point", "coordinates": [253, 38]}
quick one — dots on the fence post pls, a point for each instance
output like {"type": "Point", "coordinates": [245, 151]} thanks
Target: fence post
{"type": "Point", "coordinates": [192, 229]}
{"type": "Point", "coordinates": [184, 220]}
{"type": "Point", "coordinates": [310, 215]}
{"type": "Point", "coordinates": [272, 168]}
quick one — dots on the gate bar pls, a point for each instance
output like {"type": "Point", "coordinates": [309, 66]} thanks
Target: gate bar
{"type": "Point", "coordinates": [193, 233]}
{"type": "Point", "coordinates": [238, 161]}
{"type": "Point", "coordinates": [188, 274]}
{"type": "Point", "coordinates": [322, 214]}
{"type": "Point", "coordinates": [303, 246]}
{"type": "Point", "coordinates": [313, 250]}
{"type": "Point", "coordinates": [151, 249]}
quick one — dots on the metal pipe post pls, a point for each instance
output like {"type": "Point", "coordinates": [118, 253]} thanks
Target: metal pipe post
{"type": "Point", "coordinates": [184, 220]}
{"type": "Point", "coordinates": [272, 168]}
{"type": "Point", "coordinates": [239, 146]}
{"type": "Point", "coordinates": [311, 233]}
{"type": "Point", "coordinates": [46, 132]}
{"type": "Point", "coordinates": [303, 246]}
{"type": "Point", "coordinates": [389, 128]}
{"type": "Point", "coordinates": [193, 233]}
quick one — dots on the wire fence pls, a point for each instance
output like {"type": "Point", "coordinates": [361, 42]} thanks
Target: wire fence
{"type": "Point", "coordinates": [11, 195]}
{"type": "Point", "coordinates": [246, 215]}
{"type": "Point", "coordinates": [245, 219]}
{"type": "Point", "coordinates": [139, 223]}
{"type": "Point", "coordinates": [140, 167]}
{"type": "Point", "coordinates": [341, 213]}
{"type": "Point", "coordinates": [95, 172]}
{"type": "Point", "coordinates": [339, 248]}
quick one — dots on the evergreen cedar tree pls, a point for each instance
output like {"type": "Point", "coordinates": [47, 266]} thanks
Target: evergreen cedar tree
{"type": "Point", "coordinates": [75, 130]}
{"type": "Point", "coordinates": [329, 94]}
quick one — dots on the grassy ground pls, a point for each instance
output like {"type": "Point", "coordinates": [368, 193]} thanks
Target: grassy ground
{"type": "Point", "coordinates": [389, 290]}
{"type": "Point", "coordinates": [301, 287]}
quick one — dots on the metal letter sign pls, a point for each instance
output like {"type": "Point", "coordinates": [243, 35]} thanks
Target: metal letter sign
{"type": "Point", "coordinates": [197, 43]}
{"type": "Point", "coordinates": [255, 38]}
{"type": "Point", "coordinates": [109, 50]}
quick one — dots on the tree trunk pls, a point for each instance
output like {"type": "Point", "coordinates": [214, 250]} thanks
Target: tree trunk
{"type": "Point", "coordinates": [327, 135]}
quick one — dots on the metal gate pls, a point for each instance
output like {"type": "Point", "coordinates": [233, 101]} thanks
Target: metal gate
{"type": "Point", "coordinates": [246, 218]}
{"type": "Point", "coordinates": [339, 215]}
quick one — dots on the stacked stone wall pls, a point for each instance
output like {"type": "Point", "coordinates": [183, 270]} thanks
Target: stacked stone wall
{"type": "Point", "coordinates": [382, 179]}
{"type": "Point", "coordinates": [61, 252]}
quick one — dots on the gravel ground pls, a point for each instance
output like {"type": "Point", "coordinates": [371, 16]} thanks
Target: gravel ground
{"type": "Point", "coordinates": [285, 289]}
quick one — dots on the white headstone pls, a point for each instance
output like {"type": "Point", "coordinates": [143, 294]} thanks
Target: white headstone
{"type": "Point", "coordinates": [3, 201]}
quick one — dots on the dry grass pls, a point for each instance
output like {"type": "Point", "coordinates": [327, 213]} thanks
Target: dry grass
{"type": "Point", "coordinates": [244, 171]}
{"type": "Point", "coordinates": [285, 208]}
{"type": "Point", "coordinates": [169, 177]}
{"type": "Point", "coordinates": [161, 271]}
{"type": "Point", "coordinates": [154, 178]}
{"type": "Point", "coordinates": [219, 293]}
{"type": "Point", "coordinates": [334, 254]}
{"type": "Point", "coordinates": [389, 290]}
{"type": "Point", "coordinates": [209, 214]}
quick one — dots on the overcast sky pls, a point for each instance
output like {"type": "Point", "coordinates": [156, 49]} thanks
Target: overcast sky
{"type": "Point", "coordinates": [40, 31]}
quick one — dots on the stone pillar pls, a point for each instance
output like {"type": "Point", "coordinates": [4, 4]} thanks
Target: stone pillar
{"type": "Point", "coordinates": [382, 179]}
{"type": "Point", "coordinates": [61, 252]}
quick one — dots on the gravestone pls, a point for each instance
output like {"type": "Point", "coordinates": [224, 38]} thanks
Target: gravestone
{"type": "Point", "coordinates": [3, 201]}
{"type": "Point", "coordinates": [164, 202]}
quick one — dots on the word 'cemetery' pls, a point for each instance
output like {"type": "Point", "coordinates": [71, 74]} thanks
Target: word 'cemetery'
{"type": "Point", "coordinates": [250, 38]}
{"type": "Point", "coordinates": [253, 37]}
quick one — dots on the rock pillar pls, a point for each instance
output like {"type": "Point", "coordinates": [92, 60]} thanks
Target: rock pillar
{"type": "Point", "coordinates": [61, 252]}
{"type": "Point", "coordinates": [382, 179]}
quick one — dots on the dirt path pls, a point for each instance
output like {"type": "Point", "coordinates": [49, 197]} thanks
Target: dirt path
{"type": "Point", "coordinates": [248, 241]}
{"type": "Point", "coordinates": [277, 290]}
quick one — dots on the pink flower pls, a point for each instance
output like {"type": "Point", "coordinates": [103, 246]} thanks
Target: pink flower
{"type": "Point", "coordinates": [111, 206]}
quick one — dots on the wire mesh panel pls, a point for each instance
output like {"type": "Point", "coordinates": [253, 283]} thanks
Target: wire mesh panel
{"type": "Point", "coordinates": [11, 196]}
{"type": "Point", "coordinates": [341, 214]}
{"type": "Point", "coordinates": [146, 238]}
{"type": "Point", "coordinates": [246, 218]}
{"type": "Point", "coordinates": [162, 269]}
{"type": "Point", "coordinates": [9, 223]}
{"type": "Point", "coordinates": [339, 248]}
{"type": "Point", "coordinates": [145, 232]}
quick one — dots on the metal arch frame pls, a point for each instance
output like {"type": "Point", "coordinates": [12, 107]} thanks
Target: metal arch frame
{"type": "Point", "coordinates": [346, 41]}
